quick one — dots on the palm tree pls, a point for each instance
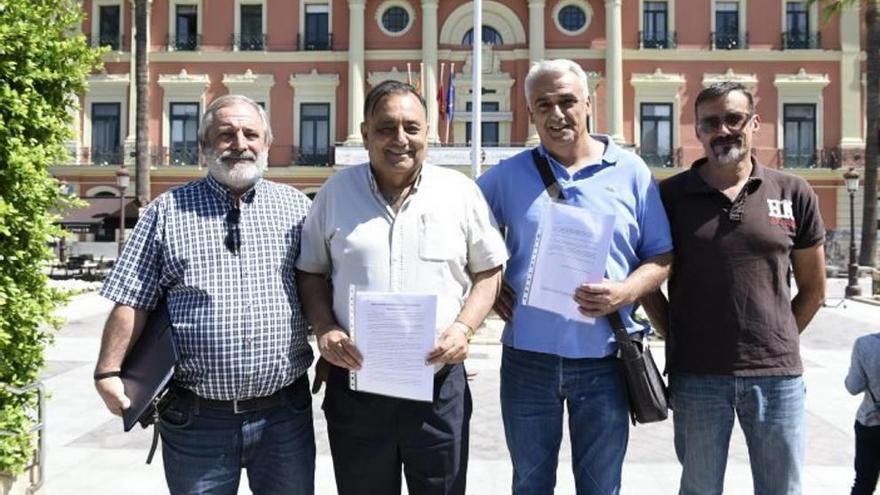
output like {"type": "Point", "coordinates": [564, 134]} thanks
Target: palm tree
{"type": "Point", "coordinates": [142, 144]}
{"type": "Point", "coordinates": [871, 13]}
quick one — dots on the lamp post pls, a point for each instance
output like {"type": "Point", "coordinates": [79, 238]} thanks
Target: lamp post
{"type": "Point", "coordinates": [851, 178]}
{"type": "Point", "coordinates": [122, 179]}
{"type": "Point", "coordinates": [63, 190]}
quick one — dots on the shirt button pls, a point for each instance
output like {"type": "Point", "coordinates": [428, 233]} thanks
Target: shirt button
{"type": "Point", "coordinates": [249, 340]}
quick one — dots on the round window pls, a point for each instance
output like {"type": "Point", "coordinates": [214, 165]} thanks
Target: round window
{"type": "Point", "coordinates": [572, 18]}
{"type": "Point", "coordinates": [395, 19]}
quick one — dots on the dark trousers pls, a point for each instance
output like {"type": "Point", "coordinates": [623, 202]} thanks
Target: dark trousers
{"type": "Point", "coordinates": [867, 459]}
{"type": "Point", "coordinates": [371, 436]}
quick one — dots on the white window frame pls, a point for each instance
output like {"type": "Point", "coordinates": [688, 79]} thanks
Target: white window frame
{"type": "Point", "coordinates": [181, 88]}
{"type": "Point", "coordinates": [302, 15]}
{"type": "Point", "coordinates": [577, 3]}
{"type": "Point", "coordinates": [96, 21]}
{"type": "Point", "coordinates": [172, 17]}
{"type": "Point", "coordinates": [105, 88]}
{"type": "Point", "coordinates": [658, 87]}
{"type": "Point", "coordinates": [670, 12]}
{"type": "Point", "coordinates": [813, 16]}
{"type": "Point", "coordinates": [741, 13]}
{"type": "Point", "coordinates": [314, 88]}
{"type": "Point", "coordinates": [257, 87]}
{"type": "Point", "coordinates": [237, 27]}
{"type": "Point", "coordinates": [803, 88]}
{"type": "Point", "coordinates": [387, 4]}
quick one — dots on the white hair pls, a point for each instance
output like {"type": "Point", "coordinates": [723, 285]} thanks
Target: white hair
{"type": "Point", "coordinates": [226, 101]}
{"type": "Point", "coordinates": [557, 66]}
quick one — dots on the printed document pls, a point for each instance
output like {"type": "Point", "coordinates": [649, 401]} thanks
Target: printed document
{"type": "Point", "coordinates": [571, 249]}
{"type": "Point", "coordinates": [395, 333]}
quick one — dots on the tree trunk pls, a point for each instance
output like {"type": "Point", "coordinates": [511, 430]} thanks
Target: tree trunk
{"type": "Point", "coordinates": [142, 140]}
{"type": "Point", "coordinates": [868, 251]}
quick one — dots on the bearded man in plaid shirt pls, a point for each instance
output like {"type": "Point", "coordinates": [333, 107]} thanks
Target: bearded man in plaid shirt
{"type": "Point", "coordinates": [222, 251]}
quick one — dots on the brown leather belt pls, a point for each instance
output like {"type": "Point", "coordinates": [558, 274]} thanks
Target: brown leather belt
{"type": "Point", "coordinates": [240, 406]}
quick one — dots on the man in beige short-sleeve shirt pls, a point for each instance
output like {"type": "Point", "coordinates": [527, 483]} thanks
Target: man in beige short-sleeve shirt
{"type": "Point", "coordinates": [397, 224]}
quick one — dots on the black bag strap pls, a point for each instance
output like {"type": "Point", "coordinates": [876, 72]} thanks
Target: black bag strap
{"type": "Point", "coordinates": [553, 189]}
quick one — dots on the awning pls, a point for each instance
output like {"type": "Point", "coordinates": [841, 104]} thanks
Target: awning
{"type": "Point", "coordinates": [95, 212]}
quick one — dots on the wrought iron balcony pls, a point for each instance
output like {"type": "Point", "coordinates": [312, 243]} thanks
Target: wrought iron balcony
{"type": "Point", "coordinates": [657, 40]}
{"type": "Point", "coordinates": [312, 158]}
{"type": "Point", "coordinates": [249, 42]}
{"type": "Point", "coordinates": [314, 44]}
{"type": "Point", "coordinates": [799, 40]}
{"type": "Point", "coordinates": [729, 41]}
{"type": "Point", "coordinates": [92, 156]}
{"type": "Point", "coordinates": [184, 42]}
{"type": "Point", "coordinates": [654, 159]}
{"type": "Point", "coordinates": [114, 41]}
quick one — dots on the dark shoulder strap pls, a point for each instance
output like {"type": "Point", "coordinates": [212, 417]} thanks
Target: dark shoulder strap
{"type": "Point", "coordinates": [547, 176]}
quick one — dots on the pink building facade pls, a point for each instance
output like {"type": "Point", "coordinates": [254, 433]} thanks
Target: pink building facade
{"type": "Point", "coordinates": [310, 63]}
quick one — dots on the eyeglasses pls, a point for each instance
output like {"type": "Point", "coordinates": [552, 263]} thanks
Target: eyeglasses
{"type": "Point", "coordinates": [732, 120]}
{"type": "Point", "coordinates": [233, 233]}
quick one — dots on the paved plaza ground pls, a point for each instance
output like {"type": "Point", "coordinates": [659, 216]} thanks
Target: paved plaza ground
{"type": "Point", "coordinates": [89, 454]}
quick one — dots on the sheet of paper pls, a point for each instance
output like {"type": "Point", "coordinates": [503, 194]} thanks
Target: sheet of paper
{"type": "Point", "coordinates": [395, 333]}
{"type": "Point", "coordinates": [571, 249]}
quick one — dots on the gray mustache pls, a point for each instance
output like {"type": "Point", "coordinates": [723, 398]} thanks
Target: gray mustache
{"type": "Point", "coordinates": [228, 156]}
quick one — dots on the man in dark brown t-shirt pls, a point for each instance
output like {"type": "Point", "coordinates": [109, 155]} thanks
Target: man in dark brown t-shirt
{"type": "Point", "coordinates": [739, 230]}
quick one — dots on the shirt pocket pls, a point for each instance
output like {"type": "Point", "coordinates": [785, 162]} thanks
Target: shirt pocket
{"type": "Point", "coordinates": [440, 237]}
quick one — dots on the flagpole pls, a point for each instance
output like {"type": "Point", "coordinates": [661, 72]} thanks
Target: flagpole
{"type": "Point", "coordinates": [450, 99]}
{"type": "Point", "coordinates": [422, 79]}
{"type": "Point", "coordinates": [408, 74]}
{"type": "Point", "coordinates": [440, 109]}
{"type": "Point", "coordinates": [477, 89]}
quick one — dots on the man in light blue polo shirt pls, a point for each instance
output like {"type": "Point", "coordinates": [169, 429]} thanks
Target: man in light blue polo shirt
{"type": "Point", "coordinates": [549, 360]}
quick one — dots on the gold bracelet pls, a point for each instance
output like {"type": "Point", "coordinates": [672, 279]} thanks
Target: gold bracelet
{"type": "Point", "coordinates": [470, 330]}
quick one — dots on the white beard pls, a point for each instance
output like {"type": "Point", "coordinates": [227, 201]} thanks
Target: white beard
{"type": "Point", "coordinates": [237, 175]}
{"type": "Point", "coordinates": [733, 154]}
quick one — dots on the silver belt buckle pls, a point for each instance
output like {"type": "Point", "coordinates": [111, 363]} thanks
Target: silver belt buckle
{"type": "Point", "coordinates": [235, 409]}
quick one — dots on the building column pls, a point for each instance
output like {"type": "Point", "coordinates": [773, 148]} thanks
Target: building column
{"type": "Point", "coordinates": [429, 57]}
{"type": "Point", "coordinates": [128, 147]}
{"type": "Point", "coordinates": [851, 142]}
{"type": "Point", "coordinates": [355, 71]}
{"type": "Point", "coordinates": [536, 50]}
{"type": "Point", "coordinates": [614, 70]}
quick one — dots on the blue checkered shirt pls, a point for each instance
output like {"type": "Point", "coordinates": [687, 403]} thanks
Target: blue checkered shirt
{"type": "Point", "coordinates": [238, 324]}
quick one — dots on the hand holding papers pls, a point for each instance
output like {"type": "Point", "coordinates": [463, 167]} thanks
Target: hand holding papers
{"type": "Point", "coordinates": [394, 333]}
{"type": "Point", "coordinates": [571, 248]}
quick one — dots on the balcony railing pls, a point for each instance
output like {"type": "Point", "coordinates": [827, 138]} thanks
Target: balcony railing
{"type": "Point", "coordinates": [184, 42]}
{"type": "Point", "coordinates": [97, 157]}
{"type": "Point", "coordinates": [657, 40]}
{"type": "Point", "coordinates": [311, 158]}
{"type": "Point", "coordinates": [249, 42]}
{"type": "Point", "coordinates": [114, 41]}
{"type": "Point", "coordinates": [824, 158]}
{"type": "Point", "coordinates": [728, 41]}
{"type": "Point", "coordinates": [798, 40]}
{"type": "Point", "coordinates": [671, 159]}
{"type": "Point", "coordinates": [311, 44]}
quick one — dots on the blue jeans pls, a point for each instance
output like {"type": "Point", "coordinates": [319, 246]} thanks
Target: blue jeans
{"type": "Point", "coordinates": [534, 389]}
{"type": "Point", "coordinates": [771, 413]}
{"type": "Point", "coordinates": [204, 450]}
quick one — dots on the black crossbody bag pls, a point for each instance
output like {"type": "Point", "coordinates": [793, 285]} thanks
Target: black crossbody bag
{"type": "Point", "coordinates": [647, 393]}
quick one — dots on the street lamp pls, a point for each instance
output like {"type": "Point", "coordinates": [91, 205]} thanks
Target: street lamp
{"type": "Point", "coordinates": [851, 178]}
{"type": "Point", "coordinates": [122, 180]}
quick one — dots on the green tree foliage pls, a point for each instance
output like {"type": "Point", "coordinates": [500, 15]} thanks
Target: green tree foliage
{"type": "Point", "coordinates": [43, 66]}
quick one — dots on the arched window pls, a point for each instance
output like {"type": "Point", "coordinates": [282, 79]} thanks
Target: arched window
{"type": "Point", "coordinates": [490, 37]}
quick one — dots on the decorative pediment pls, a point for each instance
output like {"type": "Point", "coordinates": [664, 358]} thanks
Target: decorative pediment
{"type": "Point", "coordinates": [748, 80]}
